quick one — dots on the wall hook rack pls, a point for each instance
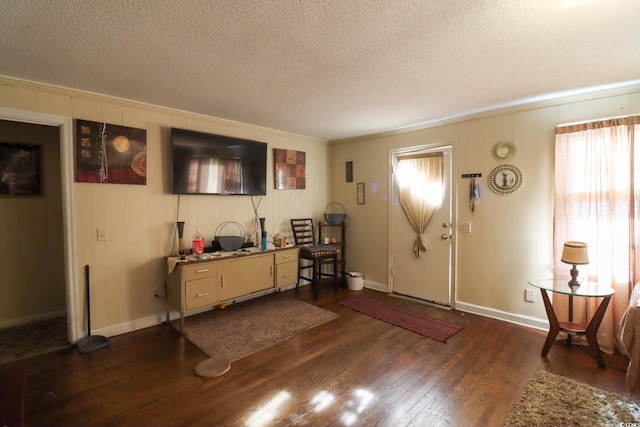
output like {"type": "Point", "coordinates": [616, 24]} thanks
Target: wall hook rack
{"type": "Point", "coordinates": [471, 175]}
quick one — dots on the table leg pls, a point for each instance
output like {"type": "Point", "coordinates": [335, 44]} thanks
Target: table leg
{"type": "Point", "coordinates": [554, 325]}
{"type": "Point", "coordinates": [592, 330]}
{"type": "Point", "coordinates": [570, 317]}
{"type": "Point", "coordinates": [335, 272]}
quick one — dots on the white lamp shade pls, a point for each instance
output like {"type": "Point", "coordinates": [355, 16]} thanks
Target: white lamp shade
{"type": "Point", "coordinates": [575, 253]}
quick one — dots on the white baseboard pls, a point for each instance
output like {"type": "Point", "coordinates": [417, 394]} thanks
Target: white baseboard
{"type": "Point", "coordinates": [522, 320]}
{"type": "Point", "coordinates": [518, 319]}
{"type": "Point", "coordinates": [376, 286]}
{"type": "Point", "coordinates": [11, 323]}
{"type": "Point", "coordinates": [157, 319]}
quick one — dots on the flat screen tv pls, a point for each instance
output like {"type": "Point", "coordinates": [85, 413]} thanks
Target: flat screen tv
{"type": "Point", "coordinates": [204, 163]}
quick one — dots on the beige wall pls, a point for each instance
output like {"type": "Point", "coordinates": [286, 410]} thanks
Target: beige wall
{"type": "Point", "coordinates": [128, 268]}
{"type": "Point", "coordinates": [511, 237]}
{"type": "Point", "coordinates": [32, 285]}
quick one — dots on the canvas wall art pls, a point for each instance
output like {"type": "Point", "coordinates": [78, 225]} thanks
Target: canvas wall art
{"type": "Point", "coordinates": [20, 170]}
{"type": "Point", "coordinates": [290, 169]}
{"type": "Point", "coordinates": [107, 153]}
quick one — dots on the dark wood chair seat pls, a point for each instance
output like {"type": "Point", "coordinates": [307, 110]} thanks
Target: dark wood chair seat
{"type": "Point", "coordinates": [316, 256]}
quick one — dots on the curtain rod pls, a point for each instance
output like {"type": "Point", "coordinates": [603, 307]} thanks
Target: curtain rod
{"type": "Point", "coordinates": [596, 120]}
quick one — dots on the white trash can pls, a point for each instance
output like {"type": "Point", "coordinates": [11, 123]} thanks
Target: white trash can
{"type": "Point", "coordinates": [355, 281]}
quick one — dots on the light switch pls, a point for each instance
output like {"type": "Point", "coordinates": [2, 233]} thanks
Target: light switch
{"type": "Point", "coordinates": [464, 227]}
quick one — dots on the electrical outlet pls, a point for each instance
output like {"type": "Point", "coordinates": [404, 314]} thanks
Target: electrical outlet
{"type": "Point", "coordinates": [102, 234]}
{"type": "Point", "coordinates": [529, 295]}
{"type": "Point", "coordinates": [464, 227]}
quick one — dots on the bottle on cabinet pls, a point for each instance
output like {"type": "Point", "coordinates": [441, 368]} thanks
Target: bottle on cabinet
{"type": "Point", "coordinates": [197, 247]}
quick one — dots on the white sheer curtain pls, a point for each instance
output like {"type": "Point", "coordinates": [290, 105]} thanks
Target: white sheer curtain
{"type": "Point", "coordinates": [420, 190]}
{"type": "Point", "coordinates": [596, 201]}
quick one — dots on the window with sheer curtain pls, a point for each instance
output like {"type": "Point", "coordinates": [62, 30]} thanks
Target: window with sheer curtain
{"type": "Point", "coordinates": [420, 192]}
{"type": "Point", "coordinates": [597, 189]}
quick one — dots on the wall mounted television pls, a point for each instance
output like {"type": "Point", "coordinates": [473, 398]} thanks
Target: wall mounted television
{"type": "Point", "coordinates": [204, 163]}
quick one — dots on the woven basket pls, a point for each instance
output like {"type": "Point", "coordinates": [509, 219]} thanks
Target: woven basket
{"type": "Point", "coordinates": [335, 213]}
{"type": "Point", "coordinates": [230, 243]}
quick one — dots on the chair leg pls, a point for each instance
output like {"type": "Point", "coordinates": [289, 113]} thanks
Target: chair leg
{"type": "Point", "coordinates": [298, 282]}
{"type": "Point", "coordinates": [314, 282]}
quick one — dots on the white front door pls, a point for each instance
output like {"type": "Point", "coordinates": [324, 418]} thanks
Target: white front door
{"type": "Point", "coordinates": [428, 277]}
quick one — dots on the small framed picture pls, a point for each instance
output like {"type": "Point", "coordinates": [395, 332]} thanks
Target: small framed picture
{"type": "Point", "coordinates": [20, 170]}
{"type": "Point", "coordinates": [349, 171]}
{"type": "Point", "coordinates": [360, 193]}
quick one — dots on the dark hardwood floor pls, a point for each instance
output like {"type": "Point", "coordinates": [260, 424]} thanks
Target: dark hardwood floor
{"type": "Point", "coordinates": [354, 370]}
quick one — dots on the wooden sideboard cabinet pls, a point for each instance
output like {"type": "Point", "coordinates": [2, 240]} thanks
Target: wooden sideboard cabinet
{"type": "Point", "coordinates": [245, 275]}
{"type": "Point", "coordinates": [286, 262]}
{"type": "Point", "coordinates": [196, 286]}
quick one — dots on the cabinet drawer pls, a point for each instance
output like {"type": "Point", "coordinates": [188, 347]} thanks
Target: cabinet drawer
{"type": "Point", "coordinates": [286, 273]}
{"type": "Point", "coordinates": [286, 255]}
{"type": "Point", "coordinates": [200, 270]}
{"type": "Point", "coordinates": [200, 293]}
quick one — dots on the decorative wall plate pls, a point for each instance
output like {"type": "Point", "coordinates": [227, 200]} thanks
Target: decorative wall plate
{"type": "Point", "coordinates": [505, 179]}
{"type": "Point", "coordinates": [504, 150]}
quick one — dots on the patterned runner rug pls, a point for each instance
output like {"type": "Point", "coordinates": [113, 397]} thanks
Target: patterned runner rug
{"type": "Point", "coordinates": [419, 323]}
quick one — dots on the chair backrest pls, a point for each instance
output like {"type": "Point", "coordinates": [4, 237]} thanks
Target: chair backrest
{"type": "Point", "coordinates": [303, 231]}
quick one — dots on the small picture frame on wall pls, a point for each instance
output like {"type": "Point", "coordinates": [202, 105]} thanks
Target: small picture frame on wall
{"type": "Point", "coordinates": [360, 193]}
{"type": "Point", "coordinates": [349, 171]}
{"type": "Point", "coordinates": [20, 170]}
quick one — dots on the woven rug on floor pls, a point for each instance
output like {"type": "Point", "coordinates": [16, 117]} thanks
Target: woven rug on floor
{"type": "Point", "coordinates": [553, 400]}
{"type": "Point", "coordinates": [437, 329]}
{"type": "Point", "coordinates": [246, 327]}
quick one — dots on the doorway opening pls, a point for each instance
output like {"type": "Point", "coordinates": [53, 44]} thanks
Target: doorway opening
{"type": "Point", "coordinates": [64, 125]}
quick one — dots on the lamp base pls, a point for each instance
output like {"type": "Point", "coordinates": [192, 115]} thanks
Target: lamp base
{"type": "Point", "coordinates": [573, 283]}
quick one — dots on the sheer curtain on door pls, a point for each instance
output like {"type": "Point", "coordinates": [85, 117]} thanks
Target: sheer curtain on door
{"type": "Point", "coordinates": [420, 191]}
{"type": "Point", "coordinates": [596, 201]}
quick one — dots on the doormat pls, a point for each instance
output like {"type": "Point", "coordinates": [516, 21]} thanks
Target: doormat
{"type": "Point", "coordinates": [437, 329]}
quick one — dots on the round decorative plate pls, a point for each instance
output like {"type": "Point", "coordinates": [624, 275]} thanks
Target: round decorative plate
{"type": "Point", "coordinates": [504, 150]}
{"type": "Point", "coordinates": [505, 179]}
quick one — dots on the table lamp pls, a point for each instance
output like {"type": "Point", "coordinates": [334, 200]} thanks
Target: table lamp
{"type": "Point", "coordinates": [575, 253]}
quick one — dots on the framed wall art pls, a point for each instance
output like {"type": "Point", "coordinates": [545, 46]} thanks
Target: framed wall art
{"type": "Point", "coordinates": [360, 193]}
{"type": "Point", "coordinates": [349, 171]}
{"type": "Point", "coordinates": [20, 170]}
{"type": "Point", "coordinates": [112, 154]}
{"type": "Point", "coordinates": [289, 169]}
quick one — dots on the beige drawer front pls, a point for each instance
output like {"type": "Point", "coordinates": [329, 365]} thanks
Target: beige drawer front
{"type": "Point", "coordinates": [200, 293]}
{"type": "Point", "coordinates": [286, 255]}
{"type": "Point", "coordinates": [286, 273]}
{"type": "Point", "coordinates": [200, 270]}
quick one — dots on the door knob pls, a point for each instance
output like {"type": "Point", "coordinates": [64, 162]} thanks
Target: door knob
{"type": "Point", "coordinates": [444, 236]}
{"type": "Point", "coordinates": [445, 225]}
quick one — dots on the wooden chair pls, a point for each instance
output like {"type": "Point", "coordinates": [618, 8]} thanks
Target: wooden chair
{"type": "Point", "coordinates": [312, 256]}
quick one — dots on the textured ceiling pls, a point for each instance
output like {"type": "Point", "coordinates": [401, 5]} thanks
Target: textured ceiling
{"type": "Point", "coordinates": [329, 69]}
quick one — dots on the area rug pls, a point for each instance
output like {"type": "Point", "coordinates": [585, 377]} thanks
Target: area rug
{"type": "Point", "coordinates": [553, 400]}
{"type": "Point", "coordinates": [246, 327]}
{"type": "Point", "coordinates": [424, 325]}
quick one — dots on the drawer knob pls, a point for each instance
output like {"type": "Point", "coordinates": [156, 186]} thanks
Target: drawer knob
{"type": "Point", "coordinates": [202, 295]}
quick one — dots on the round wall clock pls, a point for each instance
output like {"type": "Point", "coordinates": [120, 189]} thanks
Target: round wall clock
{"type": "Point", "coordinates": [504, 150]}
{"type": "Point", "coordinates": [505, 179]}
